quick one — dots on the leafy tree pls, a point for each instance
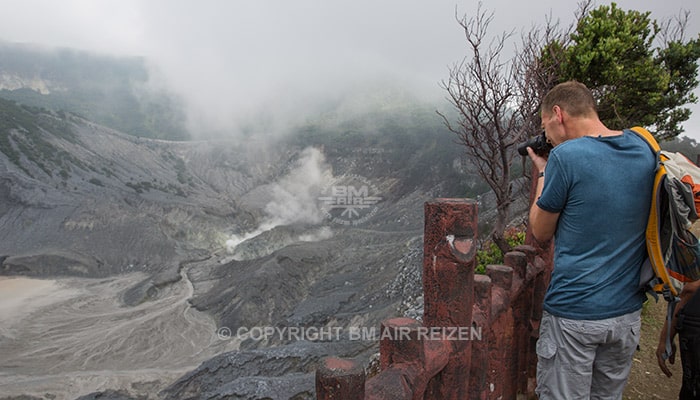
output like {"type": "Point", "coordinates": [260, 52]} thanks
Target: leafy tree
{"type": "Point", "coordinates": [613, 52]}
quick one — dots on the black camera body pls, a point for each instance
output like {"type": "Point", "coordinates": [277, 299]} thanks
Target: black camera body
{"type": "Point", "coordinates": [539, 145]}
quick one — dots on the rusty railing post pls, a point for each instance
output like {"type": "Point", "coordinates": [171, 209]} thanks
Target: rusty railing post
{"type": "Point", "coordinates": [479, 385]}
{"type": "Point", "coordinates": [448, 278]}
{"type": "Point", "coordinates": [340, 379]}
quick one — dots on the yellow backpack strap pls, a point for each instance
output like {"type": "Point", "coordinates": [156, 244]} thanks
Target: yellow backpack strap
{"type": "Point", "coordinates": [652, 235]}
{"type": "Point", "coordinates": [653, 144]}
{"type": "Point", "coordinates": [646, 135]}
{"type": "Point", "coordinates": [653, 224]}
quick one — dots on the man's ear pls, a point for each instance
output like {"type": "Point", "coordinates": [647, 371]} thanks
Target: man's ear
{"type": "Point", "coordinates": [558, 112]}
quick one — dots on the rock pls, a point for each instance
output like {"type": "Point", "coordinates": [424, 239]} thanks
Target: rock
{"type": "Point", "coordinates": [109, 395]}
{"type": "Point", "coordinates": [282, 372]}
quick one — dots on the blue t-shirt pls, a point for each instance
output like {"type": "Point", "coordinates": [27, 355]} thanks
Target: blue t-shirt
{"type": "Point", "coordinates": [601, 186]}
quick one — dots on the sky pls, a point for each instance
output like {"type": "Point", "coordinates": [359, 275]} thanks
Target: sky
{"type": "Point", "coordinates": [230, 59]}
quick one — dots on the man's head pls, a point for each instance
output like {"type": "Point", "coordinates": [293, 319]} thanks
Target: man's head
{"type": "Point", "coordinates": [567, 100]}
{"type": "Point", "coordinates": [572, 97]}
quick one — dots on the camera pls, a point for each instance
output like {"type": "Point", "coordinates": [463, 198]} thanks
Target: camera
{"type": "Point", "coordinates": [539, 145]}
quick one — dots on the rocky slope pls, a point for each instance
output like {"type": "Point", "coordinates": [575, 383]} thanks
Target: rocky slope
{"type": "Point", "coordinates": [320, 230]}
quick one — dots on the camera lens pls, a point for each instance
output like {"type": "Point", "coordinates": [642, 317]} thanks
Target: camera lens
{"type": "Point", "coordinates": [539, 145]}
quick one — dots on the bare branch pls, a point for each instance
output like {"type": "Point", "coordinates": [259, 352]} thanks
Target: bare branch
{"type": "Point", "coordinates": [673, 29]}
{"type": "Point", "coordinates": [497, 100]}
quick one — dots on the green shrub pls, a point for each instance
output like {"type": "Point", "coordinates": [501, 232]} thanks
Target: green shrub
{"type": "Point", "coordinates": [491, 254]}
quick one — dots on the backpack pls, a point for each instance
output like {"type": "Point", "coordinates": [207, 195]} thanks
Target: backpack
{"type": "Point", "coordinates": [673, 250]}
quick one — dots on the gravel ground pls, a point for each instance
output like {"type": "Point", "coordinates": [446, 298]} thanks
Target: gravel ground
{"type": "Point", "coordinates": [646, 380]}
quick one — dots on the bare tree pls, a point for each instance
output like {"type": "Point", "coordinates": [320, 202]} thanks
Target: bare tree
{"type": "Point", "coordinates": [497, 102]}
{"type": "Point", "coordinates": [537, 65]}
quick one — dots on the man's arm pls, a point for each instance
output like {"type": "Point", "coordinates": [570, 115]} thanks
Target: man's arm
{"type": "Point", "coordinates": [542, 223]}
{"type": "Point", "coordinates": [688, 291]}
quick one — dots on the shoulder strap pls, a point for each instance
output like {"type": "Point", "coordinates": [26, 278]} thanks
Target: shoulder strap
{"type": "Point", "coordinates": [653, 246]}
{"type": "Point", "coordinates": [654, 146]}
{"type": "Point", "coordinates": [646, 135]}
{"type": "Point", "coordinates": [654, 251]}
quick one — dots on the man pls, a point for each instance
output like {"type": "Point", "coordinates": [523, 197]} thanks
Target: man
{"type": "Point", "coordinates": [593, 197]}
{"type": "Point", "coordinates": [686, 322]}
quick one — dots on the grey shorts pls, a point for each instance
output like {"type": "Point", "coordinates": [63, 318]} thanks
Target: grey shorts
{"type": "Point", "coordinates": [585, 359]}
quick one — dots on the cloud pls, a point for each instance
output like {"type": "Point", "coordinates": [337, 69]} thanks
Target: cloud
{"type": "Point", "coordinates": [240, 61]}
{"type": "Point", "coordinates": [285, 58]}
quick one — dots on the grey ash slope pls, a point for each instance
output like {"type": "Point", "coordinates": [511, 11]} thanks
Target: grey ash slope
{"type": "Point", "coordinates": [78, 199]}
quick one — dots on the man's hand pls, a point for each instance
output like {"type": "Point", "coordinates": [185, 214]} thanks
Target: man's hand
{"type": "Point", "coordinates": [661, 350]}
{"type": "Point", "coordinates": [688, 291]}
{"type": "Point", "coordinates": [539, 161]}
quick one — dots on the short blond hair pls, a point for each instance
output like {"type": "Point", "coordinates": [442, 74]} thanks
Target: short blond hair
{"type": "Point", "coordinates": [573, 97]}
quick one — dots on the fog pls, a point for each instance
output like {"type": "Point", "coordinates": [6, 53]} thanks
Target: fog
{"type": "Point", "coordinates": [276, 60]}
